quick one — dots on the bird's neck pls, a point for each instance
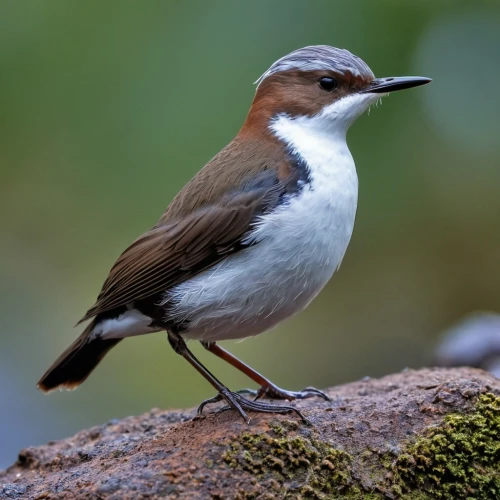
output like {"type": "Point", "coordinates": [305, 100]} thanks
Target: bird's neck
{"type": "Point", "coordinates": [319, 142]}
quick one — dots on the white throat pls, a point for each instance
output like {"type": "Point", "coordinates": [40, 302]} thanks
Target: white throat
{"type": "Point", "coordinates": [330, 124]}
{"type": "Point", "coordinates": [320, 140]}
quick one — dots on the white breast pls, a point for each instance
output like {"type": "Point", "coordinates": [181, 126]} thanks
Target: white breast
{"type": "Point", "coordinates": [301, 244]}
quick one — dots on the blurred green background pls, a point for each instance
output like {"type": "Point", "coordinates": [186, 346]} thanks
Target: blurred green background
{"type": "Point", "coordinates": [108, 108]}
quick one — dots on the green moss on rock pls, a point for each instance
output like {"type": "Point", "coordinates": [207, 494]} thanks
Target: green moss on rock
{"type": "Point", "coordinates": [459, 459]}
{"type": "Point", "coordinates": [305, 466]}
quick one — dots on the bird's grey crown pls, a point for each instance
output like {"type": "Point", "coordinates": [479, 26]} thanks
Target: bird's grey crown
{"type": "Point", "coordinates": [317, 57]}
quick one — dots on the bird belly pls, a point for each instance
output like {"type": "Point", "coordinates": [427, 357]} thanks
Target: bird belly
{"type": "Point", "coordinates": [297, 249]}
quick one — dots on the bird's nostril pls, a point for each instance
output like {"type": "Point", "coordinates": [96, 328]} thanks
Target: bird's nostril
{"type": "Point", "coordinates": [389, 79]}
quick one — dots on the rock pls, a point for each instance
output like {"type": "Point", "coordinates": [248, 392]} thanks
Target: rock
{"type": "Point", "coordinates": [426, 434]}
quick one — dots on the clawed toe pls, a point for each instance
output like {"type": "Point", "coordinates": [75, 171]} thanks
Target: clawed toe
{"type": "Point", "coordinates": [274, 392]}
{"type": "Point", "coordinates": [209, 401]}
{"type": "Point", "coordinates": [240, 404]}
{"type": "Point", "coordinates": [310, 392]}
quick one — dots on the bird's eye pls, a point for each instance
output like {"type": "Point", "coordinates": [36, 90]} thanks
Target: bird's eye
{"type": "Point", "coordinates": [328, 83]}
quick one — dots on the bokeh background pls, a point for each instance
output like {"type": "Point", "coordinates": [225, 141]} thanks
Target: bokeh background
{"type": "Point", "coordinates": [108, 108]}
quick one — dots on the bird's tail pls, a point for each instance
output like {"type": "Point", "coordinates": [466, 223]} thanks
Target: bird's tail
{"type": "Point", "coordinates": [76, 363]}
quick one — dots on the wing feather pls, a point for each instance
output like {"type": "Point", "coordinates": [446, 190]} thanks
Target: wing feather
{"type": "Point", "coordinates": [170, 254]}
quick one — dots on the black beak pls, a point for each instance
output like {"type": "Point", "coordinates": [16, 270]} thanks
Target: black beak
{"type": "Point", "coordinates": [385, 85]}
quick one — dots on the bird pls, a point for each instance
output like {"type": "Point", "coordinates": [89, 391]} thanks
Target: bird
{"type": "Point", "coordinates": [252, 238]}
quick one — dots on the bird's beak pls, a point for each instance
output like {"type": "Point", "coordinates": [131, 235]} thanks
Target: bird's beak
{"type": "Point", "coordinates": [386, 85]}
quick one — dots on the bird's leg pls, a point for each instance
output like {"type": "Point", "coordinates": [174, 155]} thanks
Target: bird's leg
{"type": "Point", "coordinates": [267, 388]}
{"type": "Point", "coordinates": [234, 400]}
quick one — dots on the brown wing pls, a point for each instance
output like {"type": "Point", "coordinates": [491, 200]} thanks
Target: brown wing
{"type": "Point", "coordinates": [169, 254]}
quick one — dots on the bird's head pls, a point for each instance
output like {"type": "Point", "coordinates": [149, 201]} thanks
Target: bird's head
{"type": "Point", "coordinates": [327, 83]}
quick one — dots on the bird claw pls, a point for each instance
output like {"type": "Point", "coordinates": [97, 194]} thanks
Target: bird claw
{"type": "Point", "coordinates": [274, 392]}
{"type": "Point", "coordinates": [239, 403]}
{"type": "Point", "coordinates": [209, 401]}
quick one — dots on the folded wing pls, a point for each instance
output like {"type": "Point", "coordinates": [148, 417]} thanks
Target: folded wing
{"type": "Point", "coordinates": [172, 253]}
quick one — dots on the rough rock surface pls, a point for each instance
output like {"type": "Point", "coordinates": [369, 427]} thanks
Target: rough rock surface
{"type": "Point", "coordinates": [432, 433]}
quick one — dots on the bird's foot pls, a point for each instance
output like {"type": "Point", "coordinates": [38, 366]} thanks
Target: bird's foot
{"type": "Point", "coordinates": [239, 403]}
{"type": "Point", "coordinates": [272, 391]}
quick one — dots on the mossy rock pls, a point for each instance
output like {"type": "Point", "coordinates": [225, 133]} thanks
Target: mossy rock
{"type": "Point", "coordinates": [457, 459]}
{"type": "Point", "coordinates": [304, 466]}
{"type": "Point", "coordinates": [415, 435]}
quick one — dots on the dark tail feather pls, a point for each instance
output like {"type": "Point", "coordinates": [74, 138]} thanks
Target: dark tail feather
{"type": "Point", "coordinates": [76, 363]}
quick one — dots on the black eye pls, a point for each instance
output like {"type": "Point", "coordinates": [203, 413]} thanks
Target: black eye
{"type": "Point", "coordinates": [327, 83]}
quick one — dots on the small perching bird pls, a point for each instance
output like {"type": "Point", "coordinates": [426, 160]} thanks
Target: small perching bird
{"type": "Point", "coordinates": [253, 237]}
